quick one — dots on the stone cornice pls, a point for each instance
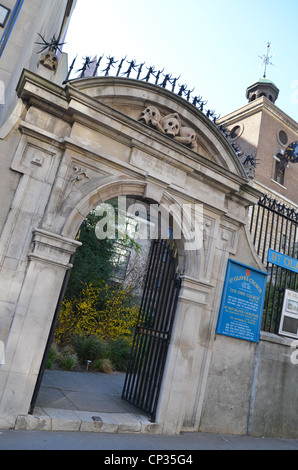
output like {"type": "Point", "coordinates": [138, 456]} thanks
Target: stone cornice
{"type": "Point", "coordinates": [53, 249]}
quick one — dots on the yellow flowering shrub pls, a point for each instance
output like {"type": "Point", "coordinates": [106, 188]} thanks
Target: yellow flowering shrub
{"type": "Point", "coordinates": [100, 310]}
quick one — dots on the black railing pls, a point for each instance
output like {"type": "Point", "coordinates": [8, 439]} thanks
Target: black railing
{"type": "Point", "coordinates": [275, 225]}
{"type": "Point", "coordinates": [131, 69]}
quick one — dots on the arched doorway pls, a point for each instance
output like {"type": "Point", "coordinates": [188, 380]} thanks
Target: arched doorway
{"type": "Point", "coordinates": [157, 300]}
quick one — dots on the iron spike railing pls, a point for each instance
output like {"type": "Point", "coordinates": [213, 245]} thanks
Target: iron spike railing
{"type": "Point", "coordinates": [131, 69]}
{"type": "Point", "coordinates": [134, 70]}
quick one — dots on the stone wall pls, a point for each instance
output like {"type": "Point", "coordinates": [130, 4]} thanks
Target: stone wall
{"type": "Point", "coordinates": [274, 394]}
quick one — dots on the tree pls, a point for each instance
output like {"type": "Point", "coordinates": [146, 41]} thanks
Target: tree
{"type": "Point", "coordinates": [93, 260]}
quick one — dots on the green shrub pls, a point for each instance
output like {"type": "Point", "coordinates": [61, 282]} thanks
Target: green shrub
{"type": "Point", "coordinates": [53, 356]}
{"type": "Point", "coordinates": [103, 365]}
{"type": "Point", "coordinates": [69, 362]}
{"type": "Point", "coordinates": [118, 352]}
{"type": "Point", "coordinates": [88, 348]}
{"type": "Point", "coordinates": [104, 356]}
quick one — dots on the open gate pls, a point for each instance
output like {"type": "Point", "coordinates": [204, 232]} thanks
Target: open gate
{"type": "Point", "coordinates": [153, 332]}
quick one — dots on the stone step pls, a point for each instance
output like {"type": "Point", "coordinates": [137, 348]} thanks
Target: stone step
{"type": "Point", "coordinates": [51, 419]}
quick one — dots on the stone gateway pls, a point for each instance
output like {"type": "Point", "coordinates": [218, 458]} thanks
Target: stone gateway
{"type": "Point", "coordinates": [76, 146]}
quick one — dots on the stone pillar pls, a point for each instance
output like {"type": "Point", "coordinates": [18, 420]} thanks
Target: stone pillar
{"type": "Point", "coordinates": [48, 263]}
{"type": "Point", "coordinates": [179, 382]}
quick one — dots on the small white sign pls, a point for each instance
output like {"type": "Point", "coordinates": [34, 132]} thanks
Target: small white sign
{"type": "Point", "coordinates": [289, 318]}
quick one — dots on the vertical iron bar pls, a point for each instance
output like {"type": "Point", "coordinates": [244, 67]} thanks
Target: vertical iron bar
{"type": "Point", "coordinates": [256, 224]}
{"type": "Point", "coordinates": [261, 230]}
{"type": "Point", "coordinates": [252, 219]}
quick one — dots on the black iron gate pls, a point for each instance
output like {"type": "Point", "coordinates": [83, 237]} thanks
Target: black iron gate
{"type": "Point", "coordinates": [275, 225]}
{"type": "Point", "coordinates": [152, 335]}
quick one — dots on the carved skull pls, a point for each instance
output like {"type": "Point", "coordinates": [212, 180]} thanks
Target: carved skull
{"type": "Point", "coordinates": [171, 124]}
{"type": "Point", "coordinates": [188, 137]}
{"type": "Point", "coordinates": [50, 61]}
{"type": "Point", "coordinates": [150, 116]}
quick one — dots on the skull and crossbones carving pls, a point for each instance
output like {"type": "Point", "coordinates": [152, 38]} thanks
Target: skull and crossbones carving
{"type": "Point", "coordinates": [151, 116]}
{"type": "Point", "coordinates": [50, 61]}
{"type": "Point", "coordinates": [171, 124]}
{"type": "Point", "coordinates": [188, 137]}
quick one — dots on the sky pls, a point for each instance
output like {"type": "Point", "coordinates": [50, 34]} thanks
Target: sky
{"type": "Point", "coordinates": [216, 46]}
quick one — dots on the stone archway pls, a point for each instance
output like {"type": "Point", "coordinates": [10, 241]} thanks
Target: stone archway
{"type": "Point", "coordinates": [167, 207]}
{"type": "Point", "coordinates": [79, 146]}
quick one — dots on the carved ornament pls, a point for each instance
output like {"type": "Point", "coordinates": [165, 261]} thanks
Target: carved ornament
{"type": "Point", "coordinates": [169, 125]}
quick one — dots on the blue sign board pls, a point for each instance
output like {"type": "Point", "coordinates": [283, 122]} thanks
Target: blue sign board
{"type": "Point", "coordinates": [242, 303]}
{"type": "Point", "coordinates": [282, 260]}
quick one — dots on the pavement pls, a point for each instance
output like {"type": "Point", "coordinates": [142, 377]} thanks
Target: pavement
{"type": "Point", "coordinates": [84, 411]}
{"type": "Point", "coordinates": [139, 444]}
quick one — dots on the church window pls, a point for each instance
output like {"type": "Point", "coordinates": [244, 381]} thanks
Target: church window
{"type": "Point", "coordinates": [283, 137]}
{"type": "Point", "coordinates": [280, 169]}
{"type": "Point", "coordinates": [235, 132]}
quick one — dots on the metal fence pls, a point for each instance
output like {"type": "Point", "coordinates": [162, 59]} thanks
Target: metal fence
{"type": "Point", "coordinates": [274, 225]}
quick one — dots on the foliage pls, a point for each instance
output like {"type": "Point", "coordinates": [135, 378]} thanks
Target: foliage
{"type": "Point", "coordinates": [103, 365]}
{"type": "Point", "coordinates": [69, 362]}
{"type": "Point", "coordinates": [88, 348]}
{"type": "Point", "coordinates": [93, 260]}
{"type": "Point", "coordinates": [102, 310]}
{"type": "Point", "coordinates": [104, 356]}
{"type": "Point", "coordinates": [53, 356]}
{"type": "Point", "coordinates": [65, 358]}
{"type": "Point", "coordinates": [119, 352]}
{"type": "Point", "coordinates": [97, 317]}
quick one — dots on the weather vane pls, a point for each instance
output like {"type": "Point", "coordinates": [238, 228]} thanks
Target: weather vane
{"type": "Point", "coordinates": [266, 59]}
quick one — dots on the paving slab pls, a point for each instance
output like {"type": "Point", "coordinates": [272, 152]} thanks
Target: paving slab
{"type": "Point", "coordinates": [85, 402]}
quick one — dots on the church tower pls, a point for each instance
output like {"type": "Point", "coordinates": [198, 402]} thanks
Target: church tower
{"type": "Point", "coordinates": [263, 87]}
{"type": "Point", "coordinates": [23, 24]}
{"type": "Point", "coordinates": [264, 131]}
